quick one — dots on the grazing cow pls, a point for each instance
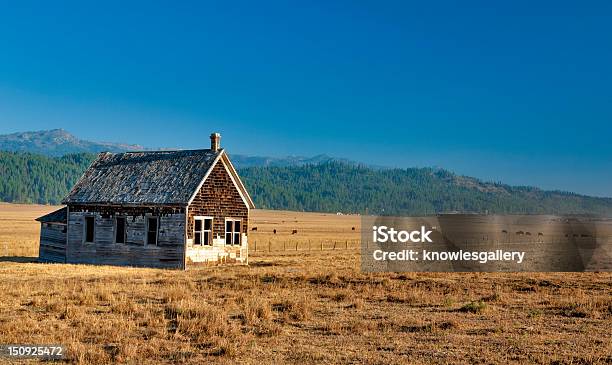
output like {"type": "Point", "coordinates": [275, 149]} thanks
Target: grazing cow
{"type": "Point", "coordinates": [294, 231]}
{"type": "Point", "coordinates": [528, 233]}
{"type": "Point", "coordinates": [254, 229]}
{"type": "Point", "coordinates": [520, 233]}
{"type": "Point", "coordinates": [504, 231]}
{"type": "Point", "coordinates": [275, 231]}
{"type": "Point", "coordinates": [540, 234]}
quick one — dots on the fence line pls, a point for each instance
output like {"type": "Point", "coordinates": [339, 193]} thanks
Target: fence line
{"type": "Point", "coordinates": [353, 244]}
{"type": "Point", "coordinates": [309, 245]}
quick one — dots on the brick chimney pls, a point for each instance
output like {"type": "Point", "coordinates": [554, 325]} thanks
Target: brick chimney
{"type": "Point", "coordinates": [215, 141]}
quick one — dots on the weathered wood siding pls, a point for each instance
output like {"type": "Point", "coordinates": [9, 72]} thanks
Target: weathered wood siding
{"type": "Point", "coordinates": [168, 253]}
{"type": "Point", "coordinates": [218, 198]}
{"type": "Point", "coordinates": [52, 242]}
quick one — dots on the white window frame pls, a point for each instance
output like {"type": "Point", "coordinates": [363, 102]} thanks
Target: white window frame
{"type": "Point", "coordinates": [204, 230]}
{"type": "Point", "coordinates": [232, 241]}
{"type": "Point", "coordinates": [147, 230]}
{"type": "Point", "coordinates": [93, 235]}
{"type": "Point", "coordinates": [124, 230]}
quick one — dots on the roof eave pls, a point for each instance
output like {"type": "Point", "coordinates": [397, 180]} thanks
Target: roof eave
{"type": "Point", "coordinates": [131, 205]}
{"type": "Point", "coordinates": [57, 216]}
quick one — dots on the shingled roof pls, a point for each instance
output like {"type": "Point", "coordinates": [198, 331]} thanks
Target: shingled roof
{"type": "Point", "coordinates": [58, 216]}
{"type": "Point", "coordinates": [143, 178]}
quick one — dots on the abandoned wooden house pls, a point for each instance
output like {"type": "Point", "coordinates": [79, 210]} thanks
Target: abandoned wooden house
{"type": "Point", "coordinates": [167, 209]}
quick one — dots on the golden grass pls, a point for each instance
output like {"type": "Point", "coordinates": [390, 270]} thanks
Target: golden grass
{"type": "Point", "coordinates": [306, 307]}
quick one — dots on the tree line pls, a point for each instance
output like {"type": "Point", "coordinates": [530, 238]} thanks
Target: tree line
{"type": "Point", "coordinates": [326, 187]}
{"type": "Point", "coordinates": [346, 188]}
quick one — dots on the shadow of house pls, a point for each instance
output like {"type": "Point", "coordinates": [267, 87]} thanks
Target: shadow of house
{"type": "Point", "coordinates": [19, 259]}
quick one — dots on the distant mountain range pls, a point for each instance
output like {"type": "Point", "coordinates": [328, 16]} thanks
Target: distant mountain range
{"type": "Point", "coordinates": [59, 142]}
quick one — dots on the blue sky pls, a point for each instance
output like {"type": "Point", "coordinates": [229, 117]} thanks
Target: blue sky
{"type": "Point", "coordinates": [515, 92]}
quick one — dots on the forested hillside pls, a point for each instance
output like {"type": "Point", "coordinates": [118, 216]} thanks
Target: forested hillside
{"type": "Point", "coordinates": [327, 187]}
{"type": "Point", "coordinates": [338, 187]}
{"type": "Point", "coordinates": [31, 178]}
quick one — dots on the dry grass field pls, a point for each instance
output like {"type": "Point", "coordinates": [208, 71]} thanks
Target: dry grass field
{"type": "Point", "coordinates": [296, 306]}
